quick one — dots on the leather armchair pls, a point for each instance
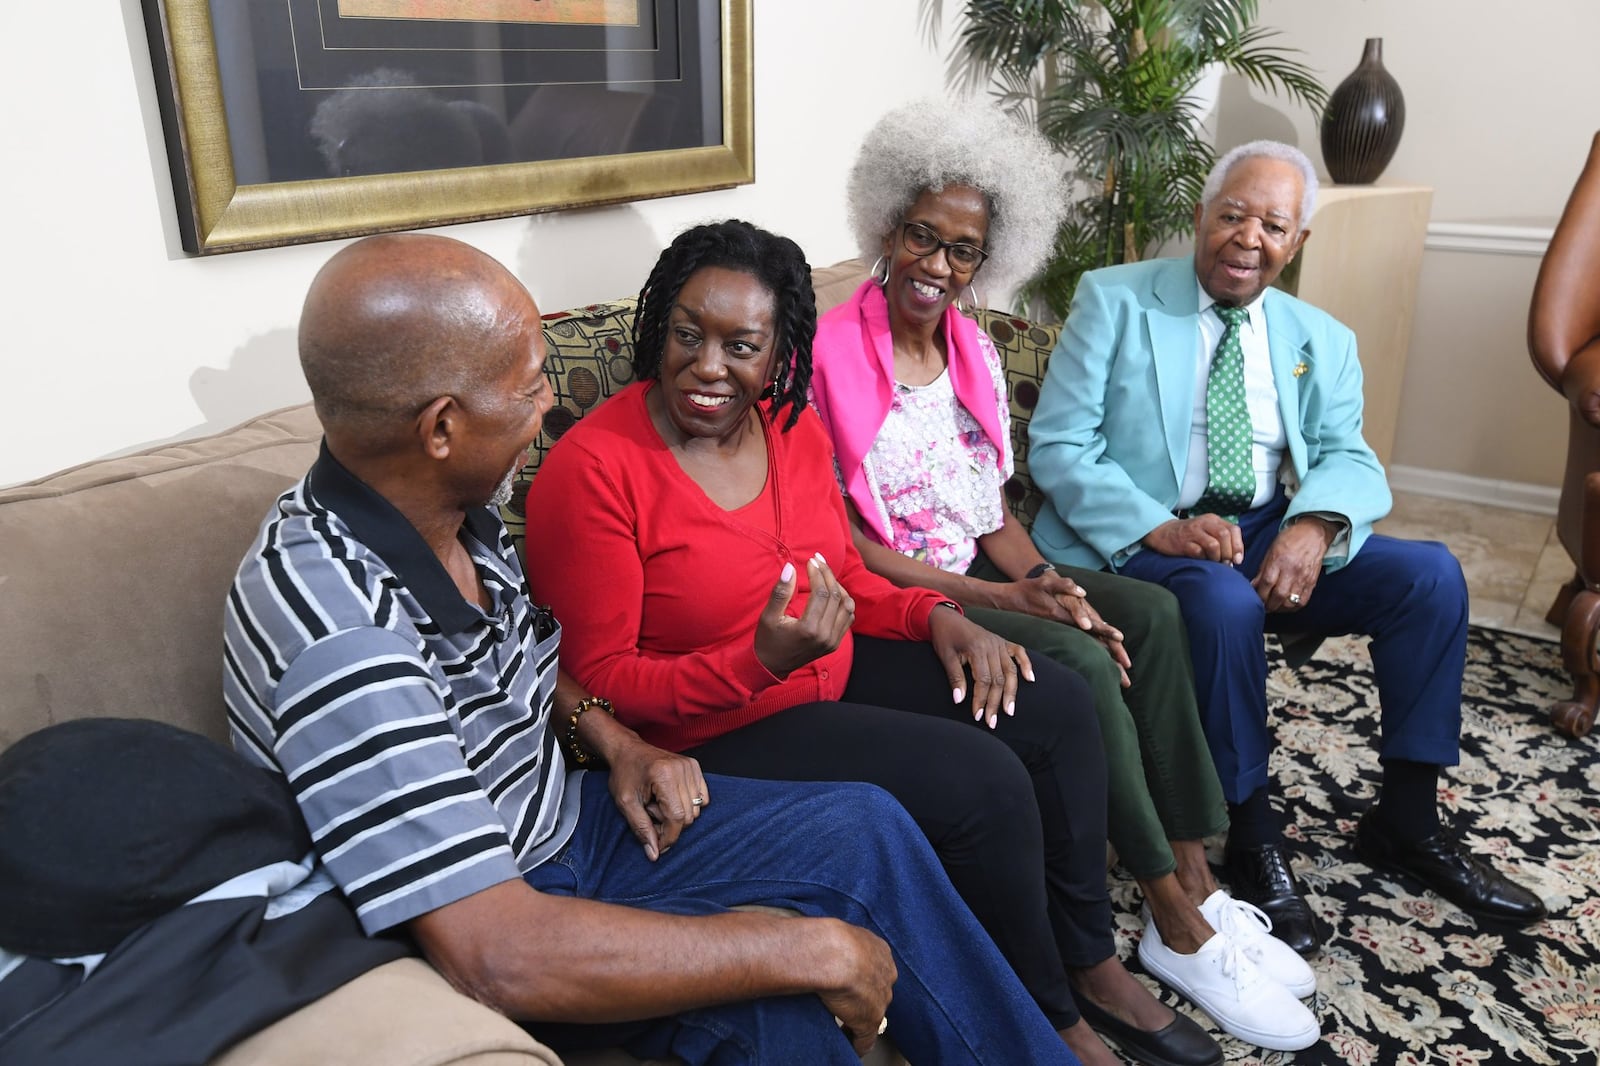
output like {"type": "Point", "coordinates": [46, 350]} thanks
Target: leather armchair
{"type": "Point", "coordinates": [1564, 342]}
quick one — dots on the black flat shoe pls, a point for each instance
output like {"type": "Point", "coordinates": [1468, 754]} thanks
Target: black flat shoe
{"type": "Point", "coordinates": [1180, 1043]}
{"type": "Point", "coordinates": [1440, 862]}
{"type": "Point", "coordinates": [1261, 876]}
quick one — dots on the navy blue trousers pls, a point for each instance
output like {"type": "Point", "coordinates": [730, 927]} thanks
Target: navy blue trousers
{"type": "Point", "coordinates": [845, 851]}
{"type": "Point", "coordinates": [1408, 596]}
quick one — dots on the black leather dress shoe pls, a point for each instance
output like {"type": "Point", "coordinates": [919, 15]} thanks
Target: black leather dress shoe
{"type": "Point", "coordinates": [1180, 1043]}
{"type": "Point", "coordinates": [1440, 862]}
{"type": "Point", "coordinates": [1261, 876]}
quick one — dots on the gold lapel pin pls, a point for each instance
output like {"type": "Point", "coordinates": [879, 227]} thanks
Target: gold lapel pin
{"type": "Point", "coordinates": [1300, 368]}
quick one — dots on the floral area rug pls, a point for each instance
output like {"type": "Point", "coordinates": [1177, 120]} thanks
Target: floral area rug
{"type": "Point", "coordinates": [1406, 977]}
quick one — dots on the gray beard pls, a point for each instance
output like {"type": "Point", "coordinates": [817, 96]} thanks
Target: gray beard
{"type": "Point", "coordinates": [502, 492]}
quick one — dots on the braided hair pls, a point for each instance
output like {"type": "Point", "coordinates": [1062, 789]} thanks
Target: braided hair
{"type": "Point", "coordinates": [781, 267]}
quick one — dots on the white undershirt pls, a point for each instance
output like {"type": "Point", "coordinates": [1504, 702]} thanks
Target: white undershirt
{"type": "Point", "coordinates": [1261, 396]}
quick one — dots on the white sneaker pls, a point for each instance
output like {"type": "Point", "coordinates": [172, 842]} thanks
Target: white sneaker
{"type": "Point", "coordinates": [1229, 986]}
{"type": "Point", "coordinates": [1251, 929]}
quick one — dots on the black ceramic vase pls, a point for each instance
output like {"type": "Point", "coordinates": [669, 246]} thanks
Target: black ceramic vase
{"type": "Point", "coordinates": [1366, 115]}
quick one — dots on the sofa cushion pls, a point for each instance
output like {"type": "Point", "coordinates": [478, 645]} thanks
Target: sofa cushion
{"type": "Point", "coordinates": [835, 284]}
{"type": "Point", "coordinates": [113, 575]}
{"type": "Point", "coordinates": [1025, 349]}
{"type": "Point", "coordinates": [400, 1014]}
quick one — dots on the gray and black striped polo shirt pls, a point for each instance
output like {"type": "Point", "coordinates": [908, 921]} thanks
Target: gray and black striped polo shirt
{"type": "Point", "coordinates": [412, 725]}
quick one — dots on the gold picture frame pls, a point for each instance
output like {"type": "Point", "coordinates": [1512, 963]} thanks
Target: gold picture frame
{"type": "Point", "coordinates": [218, 214]}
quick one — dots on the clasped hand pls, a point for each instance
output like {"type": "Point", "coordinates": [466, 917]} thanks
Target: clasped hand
{"type": "Point", "coordinates": [656, 791]}
{"type": "Point", "coordinates": [1205, 536]}
{"type": "Point", "coordinates": [1060, 599]}
{"type": "Point", "coordinates": [1289, 571]}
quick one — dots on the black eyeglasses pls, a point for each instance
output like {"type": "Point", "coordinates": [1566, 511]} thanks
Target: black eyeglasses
{"type": "Point", "coordinates": [923, 241]}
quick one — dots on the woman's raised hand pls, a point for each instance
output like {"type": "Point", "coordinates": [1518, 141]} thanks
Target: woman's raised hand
{"type": "Point", "coordinates": [784, 642]}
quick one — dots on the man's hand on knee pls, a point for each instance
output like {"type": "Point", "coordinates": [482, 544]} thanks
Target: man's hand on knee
{"type": "Point", "coordinates": [1293, 563]}
{"type": "Point", "coordinates": [865, 985]}
{"type": "Point", "coordinates": [1206, 536]}
{"type": "Point", "coordinates": [659, 793]}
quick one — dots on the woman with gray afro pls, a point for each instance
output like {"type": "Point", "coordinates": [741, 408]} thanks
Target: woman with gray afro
{"type": "Point", "coordinates": [912, 392]}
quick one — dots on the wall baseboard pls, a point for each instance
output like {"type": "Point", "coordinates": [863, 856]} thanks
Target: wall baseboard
{"type": "Point", "coordinates": [1443, 484]}
{"type": "Point", "coordinates": [1487, 239]}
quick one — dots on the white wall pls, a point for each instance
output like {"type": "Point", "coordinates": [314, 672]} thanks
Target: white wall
{"type": "Point", "coordinates": [114, 338]}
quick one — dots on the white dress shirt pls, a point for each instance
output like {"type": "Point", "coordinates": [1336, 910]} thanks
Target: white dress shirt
{"type": "Point", "coordinates": [1261, 396]}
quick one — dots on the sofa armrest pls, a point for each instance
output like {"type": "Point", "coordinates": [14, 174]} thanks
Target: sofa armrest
{"type": "Point", "coordinates": [400, 1014]}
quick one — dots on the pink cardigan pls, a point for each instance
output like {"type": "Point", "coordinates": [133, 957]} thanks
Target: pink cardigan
{"type": "Point", "coordinates": [852, 385]}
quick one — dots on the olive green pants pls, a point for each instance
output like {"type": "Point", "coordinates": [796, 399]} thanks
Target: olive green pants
{"type": "Point", "coordinates": [1163, 783]}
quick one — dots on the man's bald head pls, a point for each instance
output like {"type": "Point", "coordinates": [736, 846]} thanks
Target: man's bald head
{"type": "Point", "coordinates": [393, 322]}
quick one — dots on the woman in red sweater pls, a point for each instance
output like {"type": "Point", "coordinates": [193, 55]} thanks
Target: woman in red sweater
{"type": "Point", "coordinates": [691, 538]}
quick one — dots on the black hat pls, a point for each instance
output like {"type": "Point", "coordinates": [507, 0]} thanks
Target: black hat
{"type": "Point", "coordinates": [108, 823]}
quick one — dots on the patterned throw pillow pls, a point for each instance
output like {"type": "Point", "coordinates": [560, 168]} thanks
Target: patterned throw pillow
{"type": "Point", "coordinates": [1025, 348]}
{"type": "Point", "coordinates": [589, 357]}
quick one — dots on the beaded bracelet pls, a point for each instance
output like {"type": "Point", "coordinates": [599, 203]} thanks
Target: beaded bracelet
{"type": "Point", "coordinates": [579, 756]}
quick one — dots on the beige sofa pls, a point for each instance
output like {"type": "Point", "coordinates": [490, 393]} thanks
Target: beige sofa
{"type": "Point", "coordinates": [112, 578]}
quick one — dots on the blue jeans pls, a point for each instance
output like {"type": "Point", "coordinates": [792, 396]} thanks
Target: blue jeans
{"type": "Point", "coordinates": [1408, 596]}
{"type": "Point", "coordinates": [846, 851]}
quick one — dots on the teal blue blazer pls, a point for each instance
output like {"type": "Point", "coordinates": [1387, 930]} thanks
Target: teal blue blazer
{"type": "Point", "coordinates": [1109, 440]}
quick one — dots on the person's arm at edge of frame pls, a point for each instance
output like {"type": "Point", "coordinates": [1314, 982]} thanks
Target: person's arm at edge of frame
{"type": "Point", "coordinates": [538, 957]}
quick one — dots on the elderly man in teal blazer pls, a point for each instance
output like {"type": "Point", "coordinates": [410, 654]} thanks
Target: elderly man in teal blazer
{"type": "Point", "coordinates": [1202, 430]}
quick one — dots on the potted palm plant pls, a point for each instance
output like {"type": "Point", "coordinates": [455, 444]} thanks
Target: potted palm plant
{"type": "Point", "coordinates": [1112, 84]}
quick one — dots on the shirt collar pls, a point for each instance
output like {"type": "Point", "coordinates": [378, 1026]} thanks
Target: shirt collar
{"type": "Point", "coordinates": [379, 525]}
{"type": "Point", "coordinates": [1258, 315]}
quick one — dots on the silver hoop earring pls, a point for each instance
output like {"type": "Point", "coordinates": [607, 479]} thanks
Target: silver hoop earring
{"type": "Point", "coordinates": [881, 261]}
{"type": "Point", "coordinates": [972, 300]}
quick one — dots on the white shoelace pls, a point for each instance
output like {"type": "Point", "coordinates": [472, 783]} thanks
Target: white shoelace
{"type": "Point", "coordinates": [1240, 960]}
{"type": "Point", "coordinates": [1238, 965]}
{"type": "Point", "coordinates": [1243, 924]}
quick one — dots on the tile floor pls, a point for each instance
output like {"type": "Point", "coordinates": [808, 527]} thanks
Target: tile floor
{"type": "Point", "coordinates": [1512, 559]}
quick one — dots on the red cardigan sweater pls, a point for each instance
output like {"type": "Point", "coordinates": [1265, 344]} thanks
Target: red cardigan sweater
{"type": "Point", "coordinates": [658, 589]}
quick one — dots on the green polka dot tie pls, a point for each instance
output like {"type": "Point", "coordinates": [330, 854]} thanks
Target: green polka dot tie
{"type": "Point", "coordinates": [1230, 476]}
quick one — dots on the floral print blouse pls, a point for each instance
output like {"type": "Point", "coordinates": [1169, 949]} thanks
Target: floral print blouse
{"type": "Point", "coordinates": [934, 473]}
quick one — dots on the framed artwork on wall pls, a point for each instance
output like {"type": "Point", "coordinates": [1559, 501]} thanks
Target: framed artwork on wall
{"type": "Point", "coordinates": [301, 120]}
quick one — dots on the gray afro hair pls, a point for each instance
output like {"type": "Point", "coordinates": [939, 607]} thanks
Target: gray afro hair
{"type": "Point", "coordinates": [932, 143]}
{"type": "Point", "coordinates": [1284, 153]}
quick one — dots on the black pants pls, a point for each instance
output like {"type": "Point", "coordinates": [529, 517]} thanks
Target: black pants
{"type": "Point", "coordinates": [1017, 815]}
